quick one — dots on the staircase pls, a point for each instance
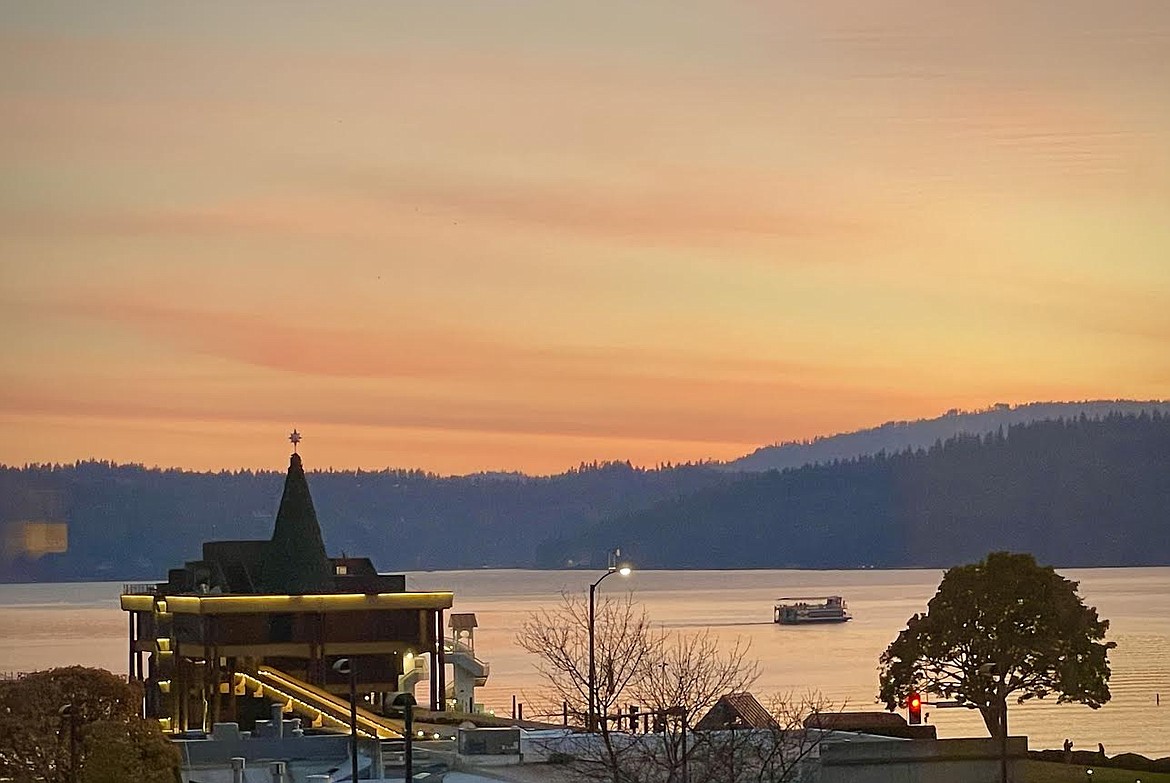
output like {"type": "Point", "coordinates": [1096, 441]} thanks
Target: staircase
{"type": "Point", "coordinates": [462, 656]}
{"type": "Point", "coordinates": [321, 708]}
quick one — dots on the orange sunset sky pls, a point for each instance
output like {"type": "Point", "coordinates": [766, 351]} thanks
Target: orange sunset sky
{"type": "Point", "coordinates": [518, 235]}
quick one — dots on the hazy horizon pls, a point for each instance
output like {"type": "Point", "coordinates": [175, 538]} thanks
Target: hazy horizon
{"type": "Point", "coordinates": [278, 466]}
{"type": "Point", "coordinates": [524, 236]}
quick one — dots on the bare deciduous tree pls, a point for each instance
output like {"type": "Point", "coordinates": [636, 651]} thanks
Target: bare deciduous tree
{"type": "Point", "coordinates": [624, 644]}
{"type": "Point", "coordinates": [779, 753]}
{"type": "Point", "coordinates": [673, 680]}
{"type": "Point", "coordinates": [686, 676]}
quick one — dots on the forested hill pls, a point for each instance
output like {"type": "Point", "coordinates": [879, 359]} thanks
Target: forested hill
{"type": "Point", "coordinates": [127, 522]}
{"type": "Point", "coordinates": [1089, 492]}
{"type": "Point", "coordinates": [1076, 492]}
{"type": "Point", "coordinates": [894, 436]}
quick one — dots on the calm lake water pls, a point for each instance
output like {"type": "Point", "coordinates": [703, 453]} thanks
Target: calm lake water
{"type": "Point", "coordinates": [48, 625]}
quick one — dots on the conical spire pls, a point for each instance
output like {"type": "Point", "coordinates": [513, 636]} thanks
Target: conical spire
{"type": "Point", "coordinates": [297, 562]}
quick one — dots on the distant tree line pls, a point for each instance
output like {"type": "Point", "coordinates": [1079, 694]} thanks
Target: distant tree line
{"type": "Point", "coordinates": [128, 522]}
{"type": "Point", "coordinates": [1075, 492]}
{"type": "Point", "coordinates": [1079, 491]}
{"type": "Point", "coordinates": [895, 436]}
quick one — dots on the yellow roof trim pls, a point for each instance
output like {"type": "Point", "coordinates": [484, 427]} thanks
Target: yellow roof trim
{"type": "Point", "coordinates": [329, 602]}
{"type": "Point", "coordinates": [137, 603]}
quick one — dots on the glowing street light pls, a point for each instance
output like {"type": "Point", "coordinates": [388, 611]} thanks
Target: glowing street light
{"type": "Point", "coordinates": [614, 567]}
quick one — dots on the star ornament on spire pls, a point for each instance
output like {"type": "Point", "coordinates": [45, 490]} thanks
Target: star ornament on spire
{"type": "Point", "coordinates": [294, 438]}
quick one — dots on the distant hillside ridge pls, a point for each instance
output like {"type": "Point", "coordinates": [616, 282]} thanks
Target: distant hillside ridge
{"type": "Point", "coordinates": [895, 436]}
{"type": "Point", "coordinates": [130, 523]}
{"type": "Point", "coordinates": [1074, 492]}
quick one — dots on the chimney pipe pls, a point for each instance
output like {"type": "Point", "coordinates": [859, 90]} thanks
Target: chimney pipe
{"type": "Point", "coordinates": [237, 770]}
{"type": "Point", "coordinates": [277, 713]}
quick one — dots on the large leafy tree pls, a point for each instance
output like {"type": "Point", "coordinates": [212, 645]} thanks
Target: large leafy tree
{"type": "Point", "coordinates": [998, 629]}
{"type": "Point", "coordinates": [99, 731]}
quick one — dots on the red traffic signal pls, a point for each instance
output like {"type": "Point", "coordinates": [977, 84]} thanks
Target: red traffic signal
{"type": "Point", "coordinates": [914, 708]}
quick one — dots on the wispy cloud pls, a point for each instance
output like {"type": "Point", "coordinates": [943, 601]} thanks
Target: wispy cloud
{"type": "Point", "coordinates": [694, 224]}
{"type": "Point", "coordinates": [660, 207]}
{"type": "Point", "coordinates": [411, 375]}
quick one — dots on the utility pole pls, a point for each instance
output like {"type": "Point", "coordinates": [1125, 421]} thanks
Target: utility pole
{"type": "Point", "coordinates": [613, 567]}
{"type": "Point", "coordinates": [69, 713]}
{"type": "Point", "coordinates": [405, 701]}
{"type": "Point", "coordinates": [346, 666]}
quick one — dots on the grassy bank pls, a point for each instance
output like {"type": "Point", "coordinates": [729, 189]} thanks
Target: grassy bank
{"type": "Point", "coordinates": [1052, 772]}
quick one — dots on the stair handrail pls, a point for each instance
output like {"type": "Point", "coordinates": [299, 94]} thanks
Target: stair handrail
{"type": "Point", "coordinates": [370, 720]}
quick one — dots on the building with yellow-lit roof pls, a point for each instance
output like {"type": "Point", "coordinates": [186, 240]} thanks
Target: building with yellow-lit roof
{"type": "Point", "coordinates": [257, 621]}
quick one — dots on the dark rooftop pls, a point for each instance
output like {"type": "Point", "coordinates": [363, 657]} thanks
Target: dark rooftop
{"type": "Point", "coordinates": [736, 710]}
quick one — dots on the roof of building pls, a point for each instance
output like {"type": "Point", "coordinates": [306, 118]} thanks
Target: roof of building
{"type": "Point", "coordinates": [462, 621]}
{"type": "Point", "coordinates": [296, 562]}
{"type": "Point", "coordinates": [887, 724]}
{"type": "Point", "coordinates": [293, 562]}
{"type": "Point", "coordinates": [736, 710]}
{"type": "Point", "coordinates": [854, 721]}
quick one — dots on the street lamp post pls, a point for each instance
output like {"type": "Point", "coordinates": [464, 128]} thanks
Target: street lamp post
{"type": "Point", "coordinates": [612, 568]}
{"type": "Point", "coordinates": [69, 712]}
{"type": "Point", "coordinates": [346, 666]}
{"type": "Point", "coordinates": [405, 702]}
{"type": "Point", "coordinates": [1003, 775]}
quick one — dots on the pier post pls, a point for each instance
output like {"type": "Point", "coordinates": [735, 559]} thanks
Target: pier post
{"type": "Point", "coordinates": [130, 662]}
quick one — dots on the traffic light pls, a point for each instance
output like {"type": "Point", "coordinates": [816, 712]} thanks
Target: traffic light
{"type": "Point", "coordinates": [914, 708]}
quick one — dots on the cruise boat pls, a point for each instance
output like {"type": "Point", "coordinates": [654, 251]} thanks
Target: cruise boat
{"type": "Point", "coordinates": [818, 609]}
